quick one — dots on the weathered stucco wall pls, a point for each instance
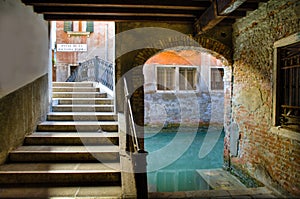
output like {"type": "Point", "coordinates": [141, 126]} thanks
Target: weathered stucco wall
{"type": "Point", "coordinates": [20, 112]}
{"type": "Point", "coordinates": [185, 108]}
{"type": "Point", "coordinates": [23, 77]}
{"type": "Point", "coordinates": [269, 157]}
{"type": "Point", "coordinates": [24, 46]}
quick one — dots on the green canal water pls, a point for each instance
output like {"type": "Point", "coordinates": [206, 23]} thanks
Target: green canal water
{"type": "Point", "coordinates": [174, 159]}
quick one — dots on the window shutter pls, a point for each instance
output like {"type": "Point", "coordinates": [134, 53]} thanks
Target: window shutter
{"type": "Point", "coordinates": [68, 26]}
{"type": "Point", "coordinates": [89, 26]}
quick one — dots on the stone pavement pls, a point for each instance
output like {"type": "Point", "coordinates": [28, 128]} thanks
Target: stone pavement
{"type": "Point", "coordinates": [260, 192]}
{"type": "Point", "coordinates": [223, 185]}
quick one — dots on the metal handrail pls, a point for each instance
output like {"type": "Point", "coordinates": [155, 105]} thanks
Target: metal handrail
{"type": "Point", "coordinates": [138, 155]}
{"type": "Point", "coordinates": [104, 73]}
{"type": "Point", "coordinates": [95, 69]}
{"type": "Point", "coordinates": [131, 121]}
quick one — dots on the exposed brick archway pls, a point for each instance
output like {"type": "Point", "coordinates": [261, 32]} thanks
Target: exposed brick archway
{"type": "Point", "coordinates": [208, 45]}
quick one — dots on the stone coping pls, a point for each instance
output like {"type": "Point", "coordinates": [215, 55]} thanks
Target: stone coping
{"type": "Point", "coordinates": [284, 132]}
{"type": "Point", "coordinates": [260, 192]}
{"type": "Point", "coordinates": [184, 128]}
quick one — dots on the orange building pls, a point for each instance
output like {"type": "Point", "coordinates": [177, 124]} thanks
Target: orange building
{"type": "Point", "coordinates": [78, 41]}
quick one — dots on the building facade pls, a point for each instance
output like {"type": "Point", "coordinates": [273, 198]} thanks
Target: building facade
{"type": "Point", "coordinates": [183, 87]}
{"type": "Point", "coordinates": [79, 41]}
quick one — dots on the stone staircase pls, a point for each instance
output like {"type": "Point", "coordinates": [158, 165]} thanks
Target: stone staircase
{"type": "Point", "coordinates": [74, 154]}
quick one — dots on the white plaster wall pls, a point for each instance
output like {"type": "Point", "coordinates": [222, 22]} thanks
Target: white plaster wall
{"type": "Point", "coordinates": [23, 45]}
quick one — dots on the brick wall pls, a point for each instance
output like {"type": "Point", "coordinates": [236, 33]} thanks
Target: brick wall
{"type": "Point", "coordinates": [261, 152]}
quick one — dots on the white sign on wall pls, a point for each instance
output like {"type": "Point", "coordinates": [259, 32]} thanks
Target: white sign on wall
{"type": "Point", "coordinates": [71, 47]}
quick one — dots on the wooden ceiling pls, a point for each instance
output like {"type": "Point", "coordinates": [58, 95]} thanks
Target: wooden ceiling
{"type": "Point", "coordinates": [204, 13]}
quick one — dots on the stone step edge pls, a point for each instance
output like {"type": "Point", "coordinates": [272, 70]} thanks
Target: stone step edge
{"type": "Point", "coordinates": [90, 84]}
{"type": "Point", "coordinates": [80, 93]}
{"type": "Point", "coordinates": [73, 135]}
{"type": "Point", "coordinates": [75, 87]}
{"type": "Point", "coordinates": [86, 98]}
{"type": "Point", "coordinates": [67, 149]}
{"type": "Point", "coordinates": [55, 192]}
{"type": "Point", "coordinates": [82, 113]}
{"type": "Point", "coordinates": [69, 132]}
{"type": "Point", "coordinates": [83, 105]}
{"type": "Point", "coordinates": [102, 171]}
{"type": "Point", "coordinates": [76, 152]}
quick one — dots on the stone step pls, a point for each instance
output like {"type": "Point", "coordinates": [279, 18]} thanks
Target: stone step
{"type": "Point", "coordinates": [72, 84]}
{"type": "Point", "coordinates": [84, 100]}
{"type": "Point", "coordinates": [75, 89]}
{"type": "Point", "coordinates": [54, 138]}
{"type": "Point", "coordinates": [60, 174]}
{"type": "Point", "coordinates": [78, 95]}
{"type": "Point", "coordinates": [69, 126]}
{"type": "Point", "coordinates": [108, 192]}
{"type": "Point", "coordinates": [105, 153]}
{"type": "Point", "coordinates": [82, 108]}
{"type": "Point", "coordinates": [82, 116]}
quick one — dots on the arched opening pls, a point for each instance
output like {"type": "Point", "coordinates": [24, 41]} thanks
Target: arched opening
{"type": "Point", "coordinates": [184, 94]}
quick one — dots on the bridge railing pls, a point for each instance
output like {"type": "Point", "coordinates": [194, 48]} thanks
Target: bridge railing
{"type": "Point", "coordinates": [95, 69]}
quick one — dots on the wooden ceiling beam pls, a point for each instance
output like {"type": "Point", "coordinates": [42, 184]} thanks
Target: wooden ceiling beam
{"type": "Point", "coordinates": [225, 7]}
{"type": "Point", "coordinates": [116, 18]}
{"type": "Point", "coordinates": [189, 16]}
{"type": "Point", "coordinates": [99, 10]}
{"type": "Point", "coordinates": [205, 14]}
{"type": "Point", "coordinates": [158, 4]}
{"type": "Point", "coordinates": [214, 14]}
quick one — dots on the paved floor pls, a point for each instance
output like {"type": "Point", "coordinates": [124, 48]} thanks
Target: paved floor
{"type": "Point", "coordinates": [223, 185]}
{"type": "Point", "coordinates": [260, 192]}
{"type": "Point", "coordinates": [61, 192]}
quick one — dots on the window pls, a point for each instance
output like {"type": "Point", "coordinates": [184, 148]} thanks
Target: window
{"type": "Point", "coordinates": [216, 79]}
{"type": "Point", "coordinates": [287, 101]}
{"type": "Point", "coordinates": [78, 28]}
{"type": "Point", "coordinates": [166, 78]}
{"type": "Point", "coordinates": [68, 26]}
{"type": "Point", "coordinates": [187, 78]}
{"type": "Point", "coordinates": [176, 78]}
{"type": "Point", "coordinates": [89, 26]}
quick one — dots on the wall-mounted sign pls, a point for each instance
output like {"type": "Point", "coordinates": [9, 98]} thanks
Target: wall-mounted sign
{"type": "Point", "coordinates": [71, 47]}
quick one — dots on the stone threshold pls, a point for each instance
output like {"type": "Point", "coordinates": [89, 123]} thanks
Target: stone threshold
{"type": "Point", "coordinates": [260, 192]}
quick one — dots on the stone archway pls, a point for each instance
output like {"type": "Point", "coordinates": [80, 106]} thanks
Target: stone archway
{"type": "Point", "coordinates": [208, 45]}
{"type": "Point", "coordinates": [179, 109]}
